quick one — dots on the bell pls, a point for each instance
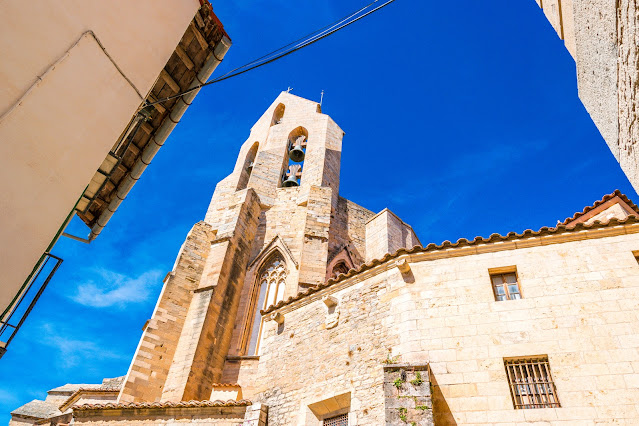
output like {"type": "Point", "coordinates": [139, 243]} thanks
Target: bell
{"type": "Point", "coordinates": [290, 182]}
{"type": "Point", "coordinates": [297, 153]}
{"type": "Point", "coordinates": [249, 168]}
{"type": "Point", "coordinates": [294, 172]}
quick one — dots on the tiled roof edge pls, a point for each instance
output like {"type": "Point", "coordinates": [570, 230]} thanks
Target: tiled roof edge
{"type": "Point", "coordinates": [616, 193]}
{"type": "Point", "coordinates": [65, 405]}
{"type": "Point", "coordinates": [181, 404]}
{"type": "Point", "coordinates": [462, 242]}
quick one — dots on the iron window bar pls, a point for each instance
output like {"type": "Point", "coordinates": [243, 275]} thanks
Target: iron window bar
{"type": "Point", "coordinates": [341, 420]}
{"type": "Point", "coordinates": [531, 383]}
{"type": "Point", "coordinates": [7, 326]}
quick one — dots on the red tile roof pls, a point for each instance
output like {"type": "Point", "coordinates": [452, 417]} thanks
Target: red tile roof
{"type": "Point", "coordinates": [181, 404]}
{"type": "Point", "coordinates": [605, 199]}
{"type": "Point", "coordinates": [565, 227]}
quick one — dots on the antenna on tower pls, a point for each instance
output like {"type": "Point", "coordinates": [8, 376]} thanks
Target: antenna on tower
{"type": "Point", "coordinates": [321, 97]}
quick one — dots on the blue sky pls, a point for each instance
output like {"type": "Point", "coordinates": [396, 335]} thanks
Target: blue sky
{"type": "Point", "coordinates": [464, 120]}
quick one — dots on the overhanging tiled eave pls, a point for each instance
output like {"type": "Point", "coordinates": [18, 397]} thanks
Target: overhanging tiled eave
{"type": "Point", "coordinates": [198, 42]}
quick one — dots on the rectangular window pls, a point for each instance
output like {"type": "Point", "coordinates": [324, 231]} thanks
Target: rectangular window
{"type": "Point", "coordinates": [531, 384]}
{"type": "Point", "coordinates": [505, 286]}
{"type": "Point", "coordinates": [341, 420]}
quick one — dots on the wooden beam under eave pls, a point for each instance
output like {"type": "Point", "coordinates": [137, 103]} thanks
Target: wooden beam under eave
{"type": "Point", "coordinates": [159, 107]}
{"type": "Point", "coordinates": [199, 20]}
{"type": "Point", "coordinates": [169, 80]}
{"type": "Point", "coordinates": [147, 128]}
{"type": "Point", "coordinates": [200, 38]}
{"type": "Point", "coordinates": [184, 57]}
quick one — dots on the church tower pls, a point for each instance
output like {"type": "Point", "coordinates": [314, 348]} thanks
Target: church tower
{"type": "Point", "coordinates": [275, 227]}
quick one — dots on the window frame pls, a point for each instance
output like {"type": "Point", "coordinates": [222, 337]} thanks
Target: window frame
{"type": "Point", "coordinates": [337, 420]}
{"type": "Point", "coordinates": [502, 273]}
{"type": "Point", "coordinates": [520, 371]}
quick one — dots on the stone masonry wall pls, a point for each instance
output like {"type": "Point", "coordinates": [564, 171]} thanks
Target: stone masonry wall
{"type": "Point", "coordinates": [603, 37]}
{"type": "Point", "coordinates": [579, 307]}
{"type": "Point", "coordinates": [348, 228]}
{"type": "Point", "coordinates": [628, 86]}
{"type": "Point", "coordinates": [203, 345]}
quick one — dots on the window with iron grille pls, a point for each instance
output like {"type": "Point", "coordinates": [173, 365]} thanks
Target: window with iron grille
{"type": "Point", "coordinates": [505, 286]}
{"type": "Point", "coordinates": [341, 420]}
{"type": "Point", "coordinates": [531, 384]}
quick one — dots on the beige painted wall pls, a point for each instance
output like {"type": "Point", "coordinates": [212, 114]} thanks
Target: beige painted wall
{"type": "Point", "coordinates": [579, 307]}
{"type": "Point", "coordinates": [64, 103]}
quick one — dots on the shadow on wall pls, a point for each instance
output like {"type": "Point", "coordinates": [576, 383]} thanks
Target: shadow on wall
{"type": "Point", "coordinates": [442, 415]}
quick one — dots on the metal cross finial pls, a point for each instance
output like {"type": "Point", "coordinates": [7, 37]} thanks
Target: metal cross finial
{"type": "Point", "coordinates": [289, 89]}
{"type": "Point", "coordinates": [321, 97]}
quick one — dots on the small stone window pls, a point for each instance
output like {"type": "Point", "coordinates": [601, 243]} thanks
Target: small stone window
{"type": "Point", "coordinates": [531, 384]}
{"type": "Point", "coordinates": [505, 284]}
{"type": "Point", "coordinates": [341, 420]}
{"type": "Point", "coordinates": [278, 115]}
{"type": "Point", "coordinates": [636, 255]}
{"type": "Point", "coordinates": [339, 268]}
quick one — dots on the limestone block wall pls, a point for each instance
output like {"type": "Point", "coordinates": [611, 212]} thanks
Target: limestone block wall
{"type": "Point", "coordinates": [628, 86]}
{"type": "Point", "coordinates": [387, 233]}
{"type": "Point", "coordinates": [304, 363]}
{"type": "Point", "coordinates": [203, 345]}
{"type": "Point", "coordinates": [601, 36]}
{"type": "Point", "coordinates": [579, 307]}
{"type": "Point", "coordinates": [348, 228]}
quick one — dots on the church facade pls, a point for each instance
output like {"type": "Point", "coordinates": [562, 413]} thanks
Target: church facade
{"type": "Point", "coordinates": [290, 305]}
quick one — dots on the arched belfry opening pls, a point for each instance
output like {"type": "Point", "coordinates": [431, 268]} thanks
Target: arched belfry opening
{"type": "Point", "coordinates": [295, 155]}
{"type": "Point", "coordinates": [278, 114]}
{"type": "Point", "coordinates": [247, 167]}
{"type": "Point", "coordinates": [269, 289]}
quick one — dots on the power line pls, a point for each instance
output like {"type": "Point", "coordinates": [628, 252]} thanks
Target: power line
{"type": "Point", "coordinates": [307, 40]}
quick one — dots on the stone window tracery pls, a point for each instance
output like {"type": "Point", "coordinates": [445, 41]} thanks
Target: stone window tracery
{"type": "Point", "coordinates": [272, 281]}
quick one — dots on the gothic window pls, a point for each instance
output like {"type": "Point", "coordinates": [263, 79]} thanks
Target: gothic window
{"type": "Point", "coordinates": [294, 158]}
{"type": "Point", "coordinates": [272, 280]}
{"type": "Point", "coordinates": [278, 114]}
{"type": "Point", "coordinates": [247, 167]}
{"type": "Point", "coordinates": [339, 268]}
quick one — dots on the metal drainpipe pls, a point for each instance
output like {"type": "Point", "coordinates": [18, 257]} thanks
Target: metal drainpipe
{"type": "Point", "coordinates": [160, 136]}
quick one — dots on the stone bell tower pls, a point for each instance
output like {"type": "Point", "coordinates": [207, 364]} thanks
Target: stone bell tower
{"type": "Point", "coordinates": [271, 215]}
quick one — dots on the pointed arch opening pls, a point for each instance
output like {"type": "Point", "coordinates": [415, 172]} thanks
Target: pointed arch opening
{"type": "Point", "coordinates": [270, 285]}
{"type": "Point", "coordinates": [278, 114]}
{"type": "Point", "coordinates": [247, 167]}
{"type": "Point", "coordinates": [295, 155]}
{"type": "Point", "coordinates": [340, 268]}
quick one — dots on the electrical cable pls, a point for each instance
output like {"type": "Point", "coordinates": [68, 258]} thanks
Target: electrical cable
{"type": "Point", "coordinates": [307, 40]}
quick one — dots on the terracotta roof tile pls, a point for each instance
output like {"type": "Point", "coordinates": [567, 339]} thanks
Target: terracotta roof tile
{"type": "Point", "coordinates": [606, 198]}
{"type": "Point", "coordinates": [463, 242]}
{"type": "Point", "coordinates": [181, 404]}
